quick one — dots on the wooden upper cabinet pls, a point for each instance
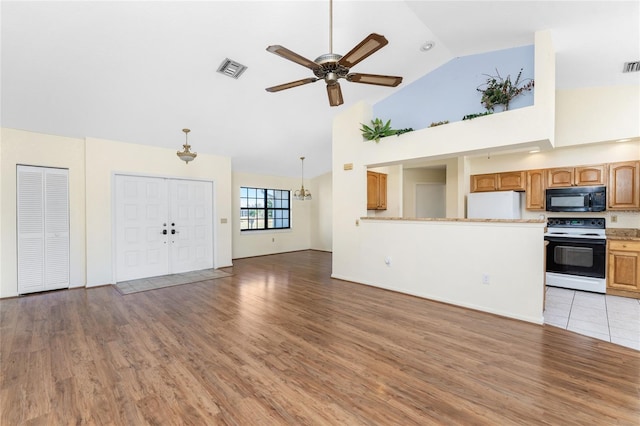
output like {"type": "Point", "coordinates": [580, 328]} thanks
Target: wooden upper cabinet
{"type": "Point", "coordinates": [591, 175]}
{"type": "Point", "coordinates": [535, 189]}
{"type": "Point", "coordinates": [487, 182]}
{"type": "Point", "coordinates": [511, 181]}
{"type": "Point", "coordinates": [623, 192]}
{"type": "Point", "coordinates": [562, 177]}
{"type": "Point", "coordinates": [376, 191]}
{"type": "Point", "coordinates": [506, 181]}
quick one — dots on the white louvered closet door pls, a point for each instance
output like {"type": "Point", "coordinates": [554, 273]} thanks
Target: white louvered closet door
{"type": "Point", "coordinates": [43, 229]}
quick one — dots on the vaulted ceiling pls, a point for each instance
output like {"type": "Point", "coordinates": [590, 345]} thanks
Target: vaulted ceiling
{"type": "Point", "coordinates": [141, 71]}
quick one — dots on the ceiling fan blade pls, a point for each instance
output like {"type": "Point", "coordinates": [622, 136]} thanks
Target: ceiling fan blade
{"type": "Point", "coordinates": [371, 44]}
{"type": "Point", "coordinates": [292, 56]}
{"type": "Point", "coordinates": [378, 80]}
{"type": "Point", "coordinates": [335, 94]}
{"type": "Point", "coordinates": [291, 84]}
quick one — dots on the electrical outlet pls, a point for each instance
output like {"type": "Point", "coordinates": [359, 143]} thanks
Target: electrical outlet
{"type": "Point", "coordinates": [273, 240]}
{"type": "Point", "coordinates": [485, 279]}
{"type": "Point", "coordinates": [614, 218]}
{"type": "Point", "coordinates": [387, 260]}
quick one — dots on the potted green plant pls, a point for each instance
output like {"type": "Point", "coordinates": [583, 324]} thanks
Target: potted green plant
{"type": "Point", "coordinates": [498, 90]}
{"type": "Point", "coordinates": [377, 130]}
{"type": "Point", "coordinates": [380, 129]}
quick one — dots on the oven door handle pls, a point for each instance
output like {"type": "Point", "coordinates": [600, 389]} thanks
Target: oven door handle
{"type": "Point", "coordinates": [580, 241]}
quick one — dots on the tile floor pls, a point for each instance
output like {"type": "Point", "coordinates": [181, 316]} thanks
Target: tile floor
{"type": "Point", "coordinates": [611, 318]}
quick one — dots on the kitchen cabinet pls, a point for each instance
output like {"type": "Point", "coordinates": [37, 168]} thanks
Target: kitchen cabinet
{"type": "Point", "coordinates": [506, 181]}
{"type": "Point", "coordinates": [376, 191]}
{"type": "Point", "coordinates": [576, 176]}
{"type": "Point", "coordinates": [535, 189]}
{"type": "Point", "coordinates": [486, 182]}
{"type": "Point", "coordinates": [623, 275]}
{"type": "Point", "coordinates": [511, 181]}
{"type": "Point", "coordinates": [623, 192]}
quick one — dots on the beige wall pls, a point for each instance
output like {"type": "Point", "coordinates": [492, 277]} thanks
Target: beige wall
{"type": "Point", "coordinates": [106, 158]}
{"type": "Point", "coordinates": [597, 114]}
{"type": "Point", "coordinates": [36, 149]}
{"type": "Point", "coordinates": [426, 256]}
{"type": "Point", "coordinates": [412, 177]}
{"type": "Point", "coordinates": [567, 156]}
{"type": "Point", "coordinates": [394, 192]}
{"type": "Point", "coordinates": [92, 164]}
{"type": "Point", "coordinates": [321, 219]}
{"type": "Point", "coordinates": [258, 243]}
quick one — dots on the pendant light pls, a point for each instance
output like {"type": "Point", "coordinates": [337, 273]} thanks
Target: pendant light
{"type": "Point", "coordinates": [186, 155]}
{"type": "Point", "coordinates": [302, 194]}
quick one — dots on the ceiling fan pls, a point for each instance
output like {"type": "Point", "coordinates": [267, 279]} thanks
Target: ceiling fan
{"type": "Point", "coordinates": [331, 67]}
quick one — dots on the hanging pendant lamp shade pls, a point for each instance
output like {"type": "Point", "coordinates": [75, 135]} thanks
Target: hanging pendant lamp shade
{"type": "Point", "coordinates": [302, 194]}
{"type": "Point", "coordinates": [186, 155]}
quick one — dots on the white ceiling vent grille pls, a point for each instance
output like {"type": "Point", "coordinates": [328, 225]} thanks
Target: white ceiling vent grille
{"type": "Point", "coordinates": [231, 68]}
{"type": "Point", "coordinates": [631, 66]}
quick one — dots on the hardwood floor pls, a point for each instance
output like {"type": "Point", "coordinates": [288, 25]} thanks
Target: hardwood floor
{"type": "Point", "coordinates": [280, 342]}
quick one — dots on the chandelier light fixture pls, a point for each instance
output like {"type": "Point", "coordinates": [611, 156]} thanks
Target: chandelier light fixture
{"type": "Point", "coordinates": [302, 194]}
{"type": "Point", "coordinates": [186, 155]}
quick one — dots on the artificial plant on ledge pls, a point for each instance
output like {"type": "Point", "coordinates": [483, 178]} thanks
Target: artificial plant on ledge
{"type": "Point", "coordinates": [379, 129]}
{"type": "Point", "coordinates": [497, 90]}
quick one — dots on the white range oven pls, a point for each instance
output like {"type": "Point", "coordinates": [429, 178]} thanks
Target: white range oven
{"type": "Point", "coordinates": [576, 253]}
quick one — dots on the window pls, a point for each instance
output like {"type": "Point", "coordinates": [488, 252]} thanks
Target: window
{"type": "Point", "coordinates": [262, 208]}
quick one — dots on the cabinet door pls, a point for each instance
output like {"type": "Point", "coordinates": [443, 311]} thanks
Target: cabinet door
{"type": "Point", "coordinates": [511, 181]}
{"type": "Point", "coordinates": [624, 266]}
{"type": "Point", "coordinates": [480, 183]}
{"type": "Point", "coordinates": [382, 191]}
{"type": "Point", "coordinates": [559, 178]}
{"type": "Point", "coordinates": [590, 175]}
{"type": "Point", "coordinates": [535, 189]}
{"type": "Point", "coordinates": [623, 192]}
{"type": "Point", "coordinates": [372, 190]}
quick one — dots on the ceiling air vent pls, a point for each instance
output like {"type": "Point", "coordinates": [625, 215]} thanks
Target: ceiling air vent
{"type": "Point", "coordinates": [231, 68]}
{"type": "Point", "coordinates": [631, 66]}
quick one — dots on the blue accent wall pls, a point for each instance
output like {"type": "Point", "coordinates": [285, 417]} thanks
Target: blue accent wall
{"type": "Point", "coordinates": [449, 92]}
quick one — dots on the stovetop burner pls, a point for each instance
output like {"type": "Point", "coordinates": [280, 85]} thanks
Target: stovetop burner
{"type": "Point", "coordinates": [563, 227]}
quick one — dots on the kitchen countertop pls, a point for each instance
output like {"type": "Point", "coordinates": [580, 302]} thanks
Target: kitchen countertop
{"type": "Point", "coordinates": [454, 219]}
{"type": "Point", "coordinates": [627, 234]}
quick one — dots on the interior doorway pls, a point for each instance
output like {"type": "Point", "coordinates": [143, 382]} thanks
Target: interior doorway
{"type": "Point", "coordinates": [162, 226]}
{"type": "Point", "coordinates": [431, 200]}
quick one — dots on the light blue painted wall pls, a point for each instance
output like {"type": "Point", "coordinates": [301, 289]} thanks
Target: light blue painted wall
{"type": "Point", "coordinates": [449, 92]}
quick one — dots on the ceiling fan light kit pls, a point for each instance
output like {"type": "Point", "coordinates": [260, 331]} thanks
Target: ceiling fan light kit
{"type": "Point", "coordinates": [331, 67]}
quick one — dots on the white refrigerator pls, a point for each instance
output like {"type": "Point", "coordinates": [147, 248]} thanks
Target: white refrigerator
{"type": "Point", "coordinates": [493, 205]}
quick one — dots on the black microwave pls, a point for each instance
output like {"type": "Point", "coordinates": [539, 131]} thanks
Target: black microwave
{"type": "Point", "coordinates": [577, 199]}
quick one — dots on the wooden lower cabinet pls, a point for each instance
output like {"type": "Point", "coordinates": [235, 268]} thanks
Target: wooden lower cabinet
{"type": "Point", "coordinates": [623, 272]}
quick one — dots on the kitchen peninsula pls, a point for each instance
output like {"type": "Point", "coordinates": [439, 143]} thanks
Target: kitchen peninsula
{"type": "Point", "coordinates": [491, 265]}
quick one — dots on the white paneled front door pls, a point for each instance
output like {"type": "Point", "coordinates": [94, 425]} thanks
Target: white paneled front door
{"type": "Point", "coordinates": [191, 245]}
{"type": "Point", "coordinates": [163, 226]}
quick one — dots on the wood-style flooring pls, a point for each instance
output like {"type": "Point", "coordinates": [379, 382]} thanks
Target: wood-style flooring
{"type": "Point", "coordinates": [280, 342]}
